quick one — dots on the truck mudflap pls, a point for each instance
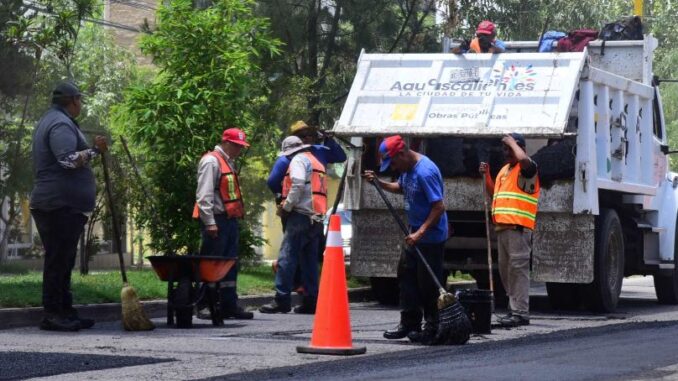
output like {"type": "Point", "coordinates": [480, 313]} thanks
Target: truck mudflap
{"type": "Point", "coordinates": [563, 246]}
{"type": "Point", "coordinates": [376, 243]}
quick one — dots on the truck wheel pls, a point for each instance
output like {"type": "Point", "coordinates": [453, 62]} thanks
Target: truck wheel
{"type": "Point", "coordinates": [563, 296]}
{"type": "Point", "coordinates": [665, 286]}
{"type": "Point", "coordinates": [483, 283]}
{"type": "Point", "coordinates": [182, 302]}
{"type": "Point", "coordinates": [603, 293]}
{"type": "Point", "coordinates": [385, 290]}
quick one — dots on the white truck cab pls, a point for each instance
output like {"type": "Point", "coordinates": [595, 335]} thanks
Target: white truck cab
{"type": "Point", "coordinates": [593, 123]}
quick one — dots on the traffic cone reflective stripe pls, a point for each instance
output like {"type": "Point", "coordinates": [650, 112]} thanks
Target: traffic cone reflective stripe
{"type": "Point", "coordinates": [332, 323]}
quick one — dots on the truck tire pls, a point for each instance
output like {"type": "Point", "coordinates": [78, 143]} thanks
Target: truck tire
{"type": "Point", "coordinates": [603, 293]}
{"type": "Point", "coordinates": [563, 296]}
{"type": "Point", "coordinates": [665, 286]}
{"type": "Point", "coordinates": [385, 290]}
{"type": "Point", "coordinates": [182, 301]}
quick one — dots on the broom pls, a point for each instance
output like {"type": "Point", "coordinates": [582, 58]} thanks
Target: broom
{"type": "Point", "coordinates": [454, 327]}
{"type": "Point", "coordinates": [133, 316]}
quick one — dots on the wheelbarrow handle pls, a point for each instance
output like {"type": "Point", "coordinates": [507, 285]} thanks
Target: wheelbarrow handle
{"type": "Point", "coordinates": [406, 232]}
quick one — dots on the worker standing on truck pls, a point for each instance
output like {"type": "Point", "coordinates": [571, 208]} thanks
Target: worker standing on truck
{"type": "Point", "coordinates": [421, 183]}
{"type": "Point", "coordinates": [485, 41]}
{"type": "Point", "coordinates": [515, 194]}
{"type": "Point", "coordinates": [218, 207]}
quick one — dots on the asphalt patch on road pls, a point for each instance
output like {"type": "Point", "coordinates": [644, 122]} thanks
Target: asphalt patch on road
{"type": "Point", "coordinates": [22, 365]}
{"type": "Point", "coordinates": [332, 370]}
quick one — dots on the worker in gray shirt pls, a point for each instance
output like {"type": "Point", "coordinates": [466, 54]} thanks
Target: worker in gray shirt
{"type": "Point", "coordinates": [218, 207]}
{"type": "Point", "coordinates": [304, 193]}
{"type": "Point", "coordinates": [63, 196]}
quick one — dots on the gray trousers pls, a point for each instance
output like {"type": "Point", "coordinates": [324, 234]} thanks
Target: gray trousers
{"type": "Point", "coordinates": [514, 247]}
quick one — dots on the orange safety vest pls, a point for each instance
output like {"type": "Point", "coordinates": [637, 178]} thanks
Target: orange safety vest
{"type": "Point", "coordinates": [318, 184]}
{"type": "Point", "coordinates": [474, 47]}
{"type": "Point", "coordinates": [511, 205]}
{"type": "Point", "coordinates": [229, 190]}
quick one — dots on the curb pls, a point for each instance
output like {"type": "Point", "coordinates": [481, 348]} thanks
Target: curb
{"type": "Point", "coordinates": [31, 316]}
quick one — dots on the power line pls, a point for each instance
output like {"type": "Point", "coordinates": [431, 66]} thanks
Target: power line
{"type": "Point", "coordinates": [39, 8]}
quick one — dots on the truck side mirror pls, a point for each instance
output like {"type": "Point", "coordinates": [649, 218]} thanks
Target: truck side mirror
{"type": "Point", "coordinates": [665, 149]}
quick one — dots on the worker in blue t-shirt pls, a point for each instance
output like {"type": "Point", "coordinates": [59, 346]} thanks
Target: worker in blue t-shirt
{"type": "Point", "coordinates": [421, 183]}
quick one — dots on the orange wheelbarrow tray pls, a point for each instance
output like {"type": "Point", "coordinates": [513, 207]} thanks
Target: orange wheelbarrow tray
{"type": "Point", "coordinates": [191, 280]}
{"type": "Point", "coordinates": [200, 268]}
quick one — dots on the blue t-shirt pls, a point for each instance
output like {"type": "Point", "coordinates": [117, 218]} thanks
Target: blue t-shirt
{"type": "Point", "coordinates": [330, 152]}
{"type": "Point", "coordinates": [422, 186]}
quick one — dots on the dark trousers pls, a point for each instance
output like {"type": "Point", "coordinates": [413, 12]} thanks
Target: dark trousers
{"type": "Point", "coordinates": [224, 245]}
{"type": "Point", "coordinates": [299, 246]}
{"type": "Point", "coordinates": [418, 292]}
{"type": "Point", "coordinates": [59, 231]}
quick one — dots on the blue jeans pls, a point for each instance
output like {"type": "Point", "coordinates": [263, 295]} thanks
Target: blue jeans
{"type": "Point", "coordinates": [225, 245]}
{"type": "Point", "coordinates": [299, 246]}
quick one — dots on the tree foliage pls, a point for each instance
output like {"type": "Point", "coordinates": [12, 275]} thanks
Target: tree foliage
{"type": "Point", "coordinates": [209, 78]}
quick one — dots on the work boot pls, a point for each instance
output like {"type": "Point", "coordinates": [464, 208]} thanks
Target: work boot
{"type": "Point", "coordinates": [400, 332]}
{"type": "Point", "coordinates": [54, 322]}
{"type": "Point", "coordinates": [513, 320]}
{"type": "Point", "coordinates": [307, 306]}
{"type": "Point", "coordinates": [275, 308]}
{"type": "Point", "coordinates": [238, 314]}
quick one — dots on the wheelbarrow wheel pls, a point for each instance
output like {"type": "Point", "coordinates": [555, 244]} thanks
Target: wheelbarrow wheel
{"type": "Point", "coordinates": [182, 303]}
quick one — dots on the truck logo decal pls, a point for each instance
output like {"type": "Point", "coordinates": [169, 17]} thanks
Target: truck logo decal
{"type": "Point", "coordinates": [513, 76]}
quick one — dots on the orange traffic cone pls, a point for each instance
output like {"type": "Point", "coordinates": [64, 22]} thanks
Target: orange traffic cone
{"type": "Point", "coordinates": [332, 324]}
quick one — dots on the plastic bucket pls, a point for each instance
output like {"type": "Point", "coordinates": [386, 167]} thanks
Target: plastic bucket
{"type": "Point", "coordinates": [478, 306]}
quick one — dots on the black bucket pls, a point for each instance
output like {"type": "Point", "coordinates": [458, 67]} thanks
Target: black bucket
{"type": "Point", "coordinates": [478, 306]}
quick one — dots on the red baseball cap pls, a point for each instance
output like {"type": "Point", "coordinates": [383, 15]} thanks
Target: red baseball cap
{"type": "Point", "coordinates": [389, 148]}
{"type": "Point", "coordinates": [236, 136]}
{"type": "Point", "coordinates": [485, 27]}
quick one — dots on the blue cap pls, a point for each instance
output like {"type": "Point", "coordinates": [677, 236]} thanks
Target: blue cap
{"type": "Point", "coordinates": [518, 138]}
{"type": "Point", "coordinates": [388, 148]}
{"type": "Point", "coordinates": [385, 159]}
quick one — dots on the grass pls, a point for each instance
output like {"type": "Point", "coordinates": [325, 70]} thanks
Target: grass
{"type": "Point", "coordinates": [24, 288]}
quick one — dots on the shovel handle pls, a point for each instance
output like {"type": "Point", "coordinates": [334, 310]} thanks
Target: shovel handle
{"type": "Point", "coordinates": [407, 232]}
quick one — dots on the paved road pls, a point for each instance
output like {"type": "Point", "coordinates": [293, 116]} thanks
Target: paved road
{"type": "Point", "coordinates": [265, 347]}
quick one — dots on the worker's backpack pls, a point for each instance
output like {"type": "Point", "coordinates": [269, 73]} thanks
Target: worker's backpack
{"type": "Point", "coordinates": [577, 40]}
{"type": "Point", "coordinates": [626, 28]}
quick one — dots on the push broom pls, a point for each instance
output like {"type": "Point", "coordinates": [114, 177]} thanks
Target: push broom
{"type": "Point", "coordinates": [133, 316]}
{"type": "Point", "coordinates": [454, 327]}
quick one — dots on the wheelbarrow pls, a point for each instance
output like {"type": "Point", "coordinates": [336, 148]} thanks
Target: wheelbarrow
{"type": "Point", "coordinates": [183, 274]}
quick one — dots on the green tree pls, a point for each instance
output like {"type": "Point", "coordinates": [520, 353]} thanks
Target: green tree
{"type": "Point", "coordinates": [209, 78]}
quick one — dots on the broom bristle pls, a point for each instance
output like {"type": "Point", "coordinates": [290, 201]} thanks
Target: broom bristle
{"type": "Point", "coordinates": [446, 299]}
{"type": "Point", "coordinates": [454, 326]}
{"type": "Point", "coordinates": [133, 316]}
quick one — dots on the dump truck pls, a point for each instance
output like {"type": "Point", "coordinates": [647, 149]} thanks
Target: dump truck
{"type": "Point", "coordinates": [594, 125]}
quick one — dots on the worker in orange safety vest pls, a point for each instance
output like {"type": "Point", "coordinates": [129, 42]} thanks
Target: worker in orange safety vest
{"type": "Point", "coordinates": [515, 195]}
{"type": "Point", "coordinates": [304, 191]}
{"type": "Point", "coordinates": [218, 207]}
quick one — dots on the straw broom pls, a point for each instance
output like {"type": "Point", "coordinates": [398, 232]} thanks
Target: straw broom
{"type": "Point", "coordinates": [133, 316]}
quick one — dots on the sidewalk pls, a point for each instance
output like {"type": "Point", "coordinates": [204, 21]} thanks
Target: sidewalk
{"type": "Point", "coordinates": [26, 317]}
